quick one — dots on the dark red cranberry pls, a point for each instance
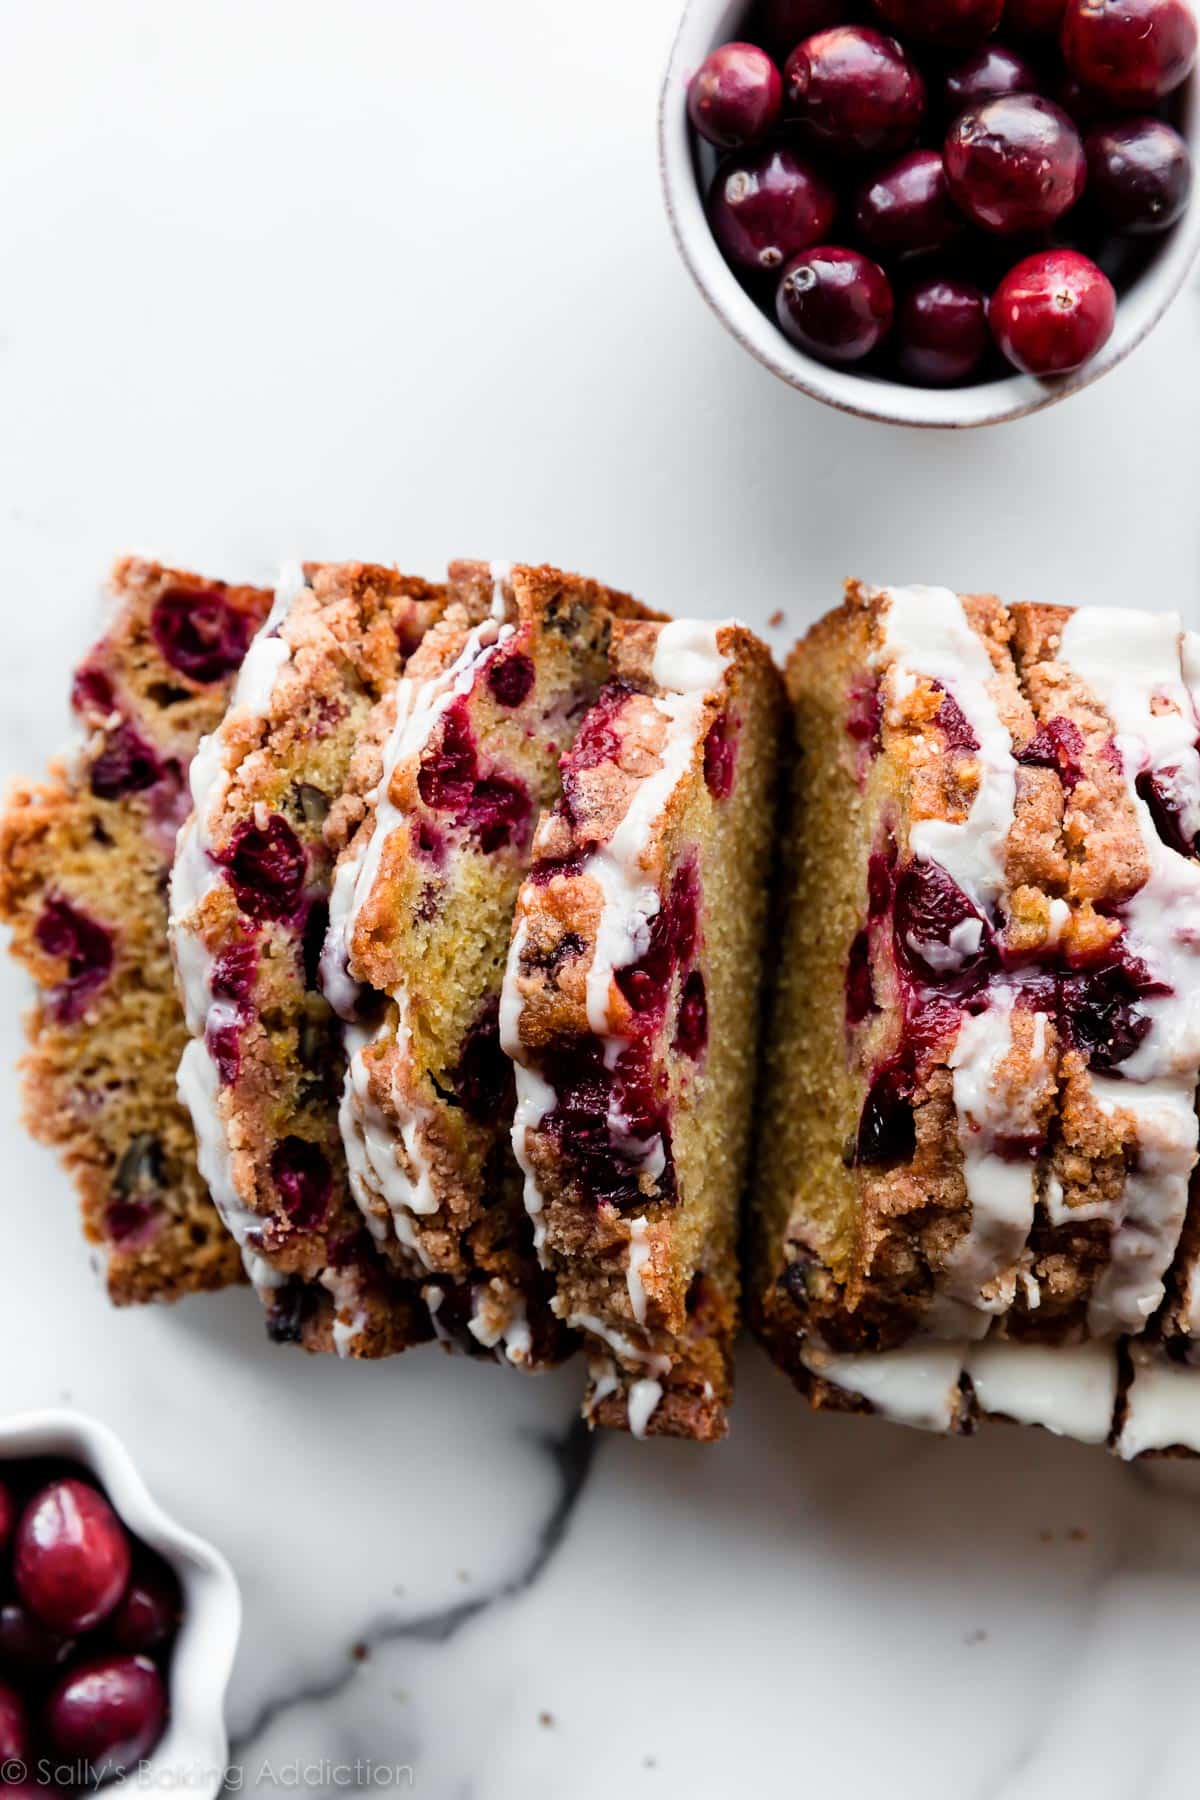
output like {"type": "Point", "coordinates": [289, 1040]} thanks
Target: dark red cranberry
{"type": "Point", "coordinates": [301, 1173]}
{"type": "Point", "coordinates": [224, 1042]}
{"type": "Point", "coordinates": [266, 867]}
{"type": "Point", "coordinates": [93, 694]}
{"type": "Point", "coordinates": [482, 1081]}
{"type": "Point", "coordinates": [234, 973]}
{"type": "Point", "coordinates": [1139, 175]}
{"type": "Point", "coordinates": [938, 932]}
{"type": "Point", "coordinates": [63, 931]}
{"type": "Point", "coordinates": [1130, 52]}
{"type": "Point", "coordinates": [784, 22]}
{"type": "Point", "coordinates": [126, 765]}
{"type": "Point", "coordinates": [765, 206]}
{"type": "Point", "coordinates": [954, 724]}
{"type": "Point", "coordinates": [29, 1650]}
{"type": "Point", "coordinates": [864, 714]}
{"type": "Point", "coordinates": [887, 1131]}
{"type": "Point", "coordinates": [860, 988]}
{"type": "Point", "coordinates": [500, 813]}
{"type": "Point", "coordinates": [14, 1728]}
{"type": "Point", "coordinates": [132, 1223]}
{"type": "Point", "coordinates": [511, 678]}
{"type": "Point", "coordinates": [1015, 163]}
{"type": "Point", "coordinates": [1034, 18]}
{"type": "Point", "coordinates": [108, 1713]}
{"type": "Point", "coordinates": [985, 75]}
{"type": "Point", "coordinates": [1058, 745]}
{"type": "Point", "coordinates": [150, 1610]}
{"type": "Point", "coordinates": [199, 633]}
{"type": "Point", "coordinates": [720, 755]}
{"type": "Point", "coordinates": [673, 932]}
{"type": "Point", "coordinates": [71, 1557]}
{"type": "Point", "coordinates": [447, 772]}
{"type": "Point", "coordinates": [881, 882]}
{"type": "Point", "coordinates": [1099, 1012]}
{"type": "Point", "coordinates": [855, 92]}
{"type": "Point", "coordinates": [1166, 807]}
{"type": "Point", "coordinates": [735, 95]}
{"type": "Point", "coordinates": [941, 331]}
{"type": "Point", "coordinates": [834, 303]}
{"type": "Point", "coordinates": [904, 208]}
{"type": "Point", "coordinates": [950, 24]}
{"type": "Point", "coordinates": [691, 1021]}
{"type": "Point", "coordinates": [8, 1515]}
{"type": "Point", "coordinates": [1053, 312]}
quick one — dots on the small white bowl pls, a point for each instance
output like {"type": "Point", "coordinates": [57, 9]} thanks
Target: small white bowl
{"type": "Point", "coordinates": [193, 1753]}
{"type": "Point", "coordinates": [707, 23]}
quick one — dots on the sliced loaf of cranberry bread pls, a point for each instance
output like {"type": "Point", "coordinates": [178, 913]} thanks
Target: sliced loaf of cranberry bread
{"type": "Point", "coordinates": [249, 909]}
{"type": "Point", "coordinates": [84, 861]}
{"type": "Point", "coordinates": [630, 1007]}
{"type": "Point", "coordinates": [437, 825]}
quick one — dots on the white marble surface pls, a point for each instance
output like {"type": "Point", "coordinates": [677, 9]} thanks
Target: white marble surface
{"type": "Point", "coordinates": [391, 280]}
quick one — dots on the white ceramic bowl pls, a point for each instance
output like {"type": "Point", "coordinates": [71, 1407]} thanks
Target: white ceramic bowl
{"type": "Point", "coordinates": [707, 23]}
{"type": "Point", "coordinates": [191, 1758]}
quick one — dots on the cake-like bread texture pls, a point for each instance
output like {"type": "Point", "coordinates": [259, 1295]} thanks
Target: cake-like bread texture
{"type": "Point", "coordinates": [85, 857]}
{"type": "Point", "coordinates": [630, 1008]}
{"type": "Point", "coordinates": [436, 827]}
{"type": "Point", "coordinates": [249, 909]}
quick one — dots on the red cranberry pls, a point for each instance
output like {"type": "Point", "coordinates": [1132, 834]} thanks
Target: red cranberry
{"type": "Point", "coordinates": [904, 209]}
{"type": "Point", "coordinates": [860, 986]}
{"type": "Point", "coordinates": [855, 92]}
{"type": "Point", "coordinates": [938, 932]}
{"type": "Point", "coordinates": [447, 772]}
{"type": "Point", "coordinates": [765, 207]}
{"type": "Point", "coordinates": [887, 1131]}
{"type": "Point", "coordinates": [1034, 18]}
{"type": "Point", "coordinates": [985, 75]}
{"type": "Point", "coordinates": [1015, 163]}
{"type": "Point", "coordinates": [29, 1651]}
{"type": "Point", "coordinates": [784, 22]}
{"type": "Point", "coordinates": [941, 331]}
{"type": "Point", "coordinates": [1139, 175]}
{"type": "Point", "coordinates": [950, 24]}
{"type": "Point", "coordinates": [483, 1079]}
{"type": "Point", "coordinates": [835, 303]}
{"type": "Point", "coordinates": [199, 633]}
{"type": "Point", "coordinates": [511, 679]}
{"type": "Point", "coordinates": [1131, 52]}
{"type": "Point", "coordinates": [1057, 745]}
{"type": "Point", "coordinates": [14, 1728]}
{"type": "Point", "coordinates": [1053, 312]}
{"type": "Point", "coordinates": [301, 1173]}
{"type": "Point", "coordinates": [126, 765]}
{"type": "Point", "coordinates": [8, 1514]}
{"type": "Point", "coordinates": [150, 1610]}
{"type": "Point", "coordinates": [234, 973]}
{"type": "Point", "coordinates": [63, 931]}
{"type": "Point", "coordinates": [266, 867]}
{"type": "Point", "coordinates": [735, 95]}
{"type": "Point", "coordinates": [691, 1022]}
{"type": "Point", "coordinates": [92, 694]}
{"type": "Point", "coordinates": [71, 1558]}
{"type": "Point", "coordinates": [132, 1223]}
{"type": "Point", "coordinates": [720, 755]}
{"type": "Point", "coordinates": [107, 1713]}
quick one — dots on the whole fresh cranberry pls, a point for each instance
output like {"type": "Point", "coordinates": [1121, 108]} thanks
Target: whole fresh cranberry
{"type": "Point", "coordinates": [1131, 52]}
{"type": "Point", "coordinates": [511, 679]}
{"type": "Point", "coordinates": [985, 75]}
{"type": "Point", "coordinates": [782, 23]}
{"type": "Point", "coordinates": [1139, 175]}
{"type": "Point", "coordinates": [149, 1611]}
{"type": "Point", "coordinates": [950, 24]}
{"type": "Point", "coordinates": [28, 1650]}
{"type": "Point", "coordinates": [855, 91]}
{"type": "Point", "coordinates": [199, 633]}
{"type": "Point", "coordinates": [71, 1557]}
{"type": "Point", "coordinates": [834, 303]}
{"type": "Point", "coordinates": [904, 209]}
{"type": "Point", "coordinates": [766, 206]}
{"type": "Point", "coordinates": [1034, 18]}
{"type": "Point", "coordinates": [735, 95]}
{"type": "Point", "coordinates": [107, 1713]}
{"type": "Point", "coordinates": [1015, 163]}
{"type": "Point", "coordinates": [14, 1727]}
{"type": "Point", "coordinates": [941, 331]}
{"type": "Point", "coordinates": [1053, 312]}
{"type": "Point", "coordinates": [8, 1514]}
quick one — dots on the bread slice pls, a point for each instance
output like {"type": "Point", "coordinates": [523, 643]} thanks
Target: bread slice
{"type": "Point", "coordinates": [437, 824]}
{"type": "Point", "coordinates": [249, 907]}
{"type": "Point", "coordinates": [630, 1006]}
{"type": "Point", "coordinates": [84, 861]}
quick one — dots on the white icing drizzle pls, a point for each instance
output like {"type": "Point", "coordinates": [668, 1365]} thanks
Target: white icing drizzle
{"type": "Point", "coordinates": [979, 1281]}
{"type": "Point", "coordinates": [642, 1404]}
{"type": "Point", "coordinates": [1134, 664]}
{"type": "Point", "coordinates": [1162, 1406]}
{"type": "Point", "coordinates": [916, 1385]}
{"type": "Point", "coordinates": [536, 1099]}
{"type": "Point", "coordinates": [639, 1256]}
{"type": "Point", "coordinates": [499, 1317]}
{"type": "Point", "coordinates": [928, 634]}
{"type": "Point", "coordinates": [382, 1169]}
